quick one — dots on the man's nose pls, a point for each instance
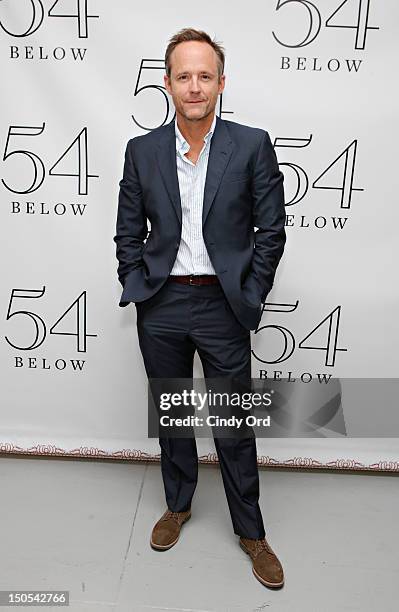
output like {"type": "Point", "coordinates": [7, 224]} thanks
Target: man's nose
{"type": "Point", "coordinates": [194, 84]}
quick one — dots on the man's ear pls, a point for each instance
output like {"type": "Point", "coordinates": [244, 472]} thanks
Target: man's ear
{"type": "Point", "coordinates": [166, 81]}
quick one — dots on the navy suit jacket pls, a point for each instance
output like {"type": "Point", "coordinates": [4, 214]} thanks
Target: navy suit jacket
{"type": "Point", "coordinates": [243, 190]}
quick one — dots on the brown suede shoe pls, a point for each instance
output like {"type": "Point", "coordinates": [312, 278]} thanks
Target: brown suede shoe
{"type": "Point", "coordinates": [265, 565]}
{"type": "Point", "coordinates": [167, 530]}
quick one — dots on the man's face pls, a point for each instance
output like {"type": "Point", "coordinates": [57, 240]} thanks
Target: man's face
{"type": "Point", "coordinates": [193, 83]}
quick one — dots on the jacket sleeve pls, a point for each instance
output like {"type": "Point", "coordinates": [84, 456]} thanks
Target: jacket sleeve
{"type": "Point", "coordinates": [131, 223]}
{"type": "Point", "coordinates": [269, 217]}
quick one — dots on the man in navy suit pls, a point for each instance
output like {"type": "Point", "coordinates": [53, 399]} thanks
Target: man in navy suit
{"type": "Point", "coordinates": [199, 277]}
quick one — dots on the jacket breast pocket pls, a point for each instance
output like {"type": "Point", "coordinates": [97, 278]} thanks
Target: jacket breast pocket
{"type": "Point", "coordinates": [233, 177]}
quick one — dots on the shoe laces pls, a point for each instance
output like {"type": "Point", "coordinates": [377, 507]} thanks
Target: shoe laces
{"type": "Point", "coordinates": [171, 515]}
{"type": "Point", "coordinates": [262, 545]}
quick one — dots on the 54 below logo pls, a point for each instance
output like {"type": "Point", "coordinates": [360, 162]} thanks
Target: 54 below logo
{"type": "Point", "coordinates": [31, 17]}
{"type": "Point", "coordinates": [336, 175]}
{"type": "Point", "coordinates": [302, 23]}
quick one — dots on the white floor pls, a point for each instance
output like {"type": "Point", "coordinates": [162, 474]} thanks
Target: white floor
{"type": "Point", "coordinates": [84, 526]}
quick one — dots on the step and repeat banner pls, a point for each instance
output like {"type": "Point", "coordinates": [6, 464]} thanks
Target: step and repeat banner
{"type": "Point", "coordinates": [82, 77]}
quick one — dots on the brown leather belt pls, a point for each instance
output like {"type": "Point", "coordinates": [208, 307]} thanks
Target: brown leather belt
{"type": "Point", "coordinates": [195, 279]}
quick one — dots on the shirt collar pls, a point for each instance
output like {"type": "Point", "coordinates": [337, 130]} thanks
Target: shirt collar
{"type": "Point", "coordinates": [182, 142]}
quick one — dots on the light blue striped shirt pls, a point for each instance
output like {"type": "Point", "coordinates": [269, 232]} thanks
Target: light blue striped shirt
{"type": "Point", "coordinates": [192, 256]}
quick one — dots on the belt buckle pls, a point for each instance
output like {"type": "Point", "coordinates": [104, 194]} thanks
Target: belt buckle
{"type": "Point", "coordinates": [191, 281]}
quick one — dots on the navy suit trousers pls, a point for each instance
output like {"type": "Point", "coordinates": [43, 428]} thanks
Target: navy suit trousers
{"type": "Point", "coordinates": [178, 320]}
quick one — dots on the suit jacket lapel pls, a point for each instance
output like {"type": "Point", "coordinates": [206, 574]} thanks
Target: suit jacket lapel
{"type": "Point", "coordinates": [219, 155]}
{"type": "Point", "coordinates": [166, 158]}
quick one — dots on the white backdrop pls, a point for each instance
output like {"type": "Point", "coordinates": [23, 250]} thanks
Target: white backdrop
{"type": "Point", "coordinates": [321, 79]}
